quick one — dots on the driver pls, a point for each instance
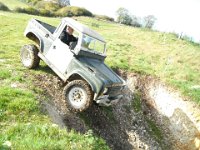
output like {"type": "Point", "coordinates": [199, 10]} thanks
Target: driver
{"type": "Point", "coordinates": [67, 35]}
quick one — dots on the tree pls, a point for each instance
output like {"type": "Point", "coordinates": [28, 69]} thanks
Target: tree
{"type": "Point", "coordinates": [64, 2]}
{"type": "Point", "coordinates": [149, 21]}
{"type": "Point", "coordinates": [136, 21]}
{"type": "Point", "coordinates": [123, 16]}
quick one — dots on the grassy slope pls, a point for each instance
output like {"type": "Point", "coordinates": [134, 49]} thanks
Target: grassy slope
{"type": "Point", "coordinates": [163, 55]}
{"type": "Point", "coordinates": [21, 122]}
{"type": "Point", "coordinates": [173, 60]}
{"type": "Point", "coordinates": [11, 4]}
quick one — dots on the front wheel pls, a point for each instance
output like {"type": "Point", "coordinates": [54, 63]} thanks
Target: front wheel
{"type": "Point", "coordinates": [78, 95]}
{"type": "Point", "coordinates": [29, 56]}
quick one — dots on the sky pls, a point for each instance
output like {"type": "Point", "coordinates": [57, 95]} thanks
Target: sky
{"type": "Point", "coordinates": [180, 16]}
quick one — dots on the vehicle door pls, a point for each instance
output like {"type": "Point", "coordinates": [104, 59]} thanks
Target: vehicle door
{"type": "Point", "coordinates": [59, 55]}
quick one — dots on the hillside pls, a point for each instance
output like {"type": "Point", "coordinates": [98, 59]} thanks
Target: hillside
{"type": "Point", "coordinates": [13, 4]}
{"type": "Point", "coordinates": [146, 52]}
{"type": "Point", "coordinates": [163, 55]}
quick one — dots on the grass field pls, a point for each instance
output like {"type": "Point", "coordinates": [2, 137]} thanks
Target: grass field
{"type": "Point", "coordinates": [12, 4]}
{"type": "Point", "coordinates": [174, 61]}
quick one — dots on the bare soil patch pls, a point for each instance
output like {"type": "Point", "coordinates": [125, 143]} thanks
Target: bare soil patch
{"type": "Point", "coordinates": [120, 126]}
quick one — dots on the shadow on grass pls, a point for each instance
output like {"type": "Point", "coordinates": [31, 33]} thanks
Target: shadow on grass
{"type": "Point", "coordinates": [96, 119]}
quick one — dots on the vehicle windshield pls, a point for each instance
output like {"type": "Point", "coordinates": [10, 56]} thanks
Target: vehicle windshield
{"type": "Point", "coordinates": [92, 44]}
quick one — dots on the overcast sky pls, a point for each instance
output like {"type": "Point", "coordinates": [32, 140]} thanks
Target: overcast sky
{"type": "Point", "coordinates": [172, 15]}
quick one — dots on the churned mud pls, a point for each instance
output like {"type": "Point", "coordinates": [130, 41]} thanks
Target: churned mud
{"type": "Point", "coordinates": [120, 126]}
{"type": "Point", "coordinates": [151, 116]}
{"type": "Point", "coordinates": [177, 117]}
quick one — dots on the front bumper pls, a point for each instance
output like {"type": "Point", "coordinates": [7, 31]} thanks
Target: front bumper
{"type": "Point", "coordinates": [105, 100]}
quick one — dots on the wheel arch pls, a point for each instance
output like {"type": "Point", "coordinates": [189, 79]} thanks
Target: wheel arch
{"type": "Point", "coordinates": [96, 83]}
{"type": "Point", "coordinates": [76, 76]}
{"type": "Point", "coordinates": [36, 38]}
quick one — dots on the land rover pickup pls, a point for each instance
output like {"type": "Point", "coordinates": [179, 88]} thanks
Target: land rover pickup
{"type": "Point", "coordinates": [80, 65]}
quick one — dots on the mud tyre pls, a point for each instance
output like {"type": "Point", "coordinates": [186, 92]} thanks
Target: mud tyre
{"type": "Point", "coordinates": [78, 95]}
{"type": "Point", "coordinates": [29, 56]}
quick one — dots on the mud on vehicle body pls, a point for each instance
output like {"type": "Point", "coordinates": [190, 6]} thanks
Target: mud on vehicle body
{"type": "Point", "coordinates": [81, 65]}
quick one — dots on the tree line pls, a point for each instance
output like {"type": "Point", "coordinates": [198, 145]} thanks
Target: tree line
{"type": "Point", "coordinates": [124, 17]}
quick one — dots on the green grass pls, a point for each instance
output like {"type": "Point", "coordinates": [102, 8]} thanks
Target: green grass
{"type": "Point", "coordinates": [11, 4]}
{"type": "Point", "coordinates": [136, 102]}
{"type": "Point", "coordinates": [47, 136]}
{"type": "Point", "coordinates": [154, 131]}
{"type": "Point", "coordinates": [21, 122]}
{"type": "Point", "coordinates": [5, 74]}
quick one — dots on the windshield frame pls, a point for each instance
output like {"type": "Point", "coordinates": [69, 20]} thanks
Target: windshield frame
{"type": "Point", "coordinates": [93, 51]}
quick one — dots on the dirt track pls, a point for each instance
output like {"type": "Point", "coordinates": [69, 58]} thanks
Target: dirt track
{"type": "Point", "coordinates": [119, 125]}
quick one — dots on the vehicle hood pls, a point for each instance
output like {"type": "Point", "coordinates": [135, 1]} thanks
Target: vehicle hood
{"type": "Point", "coordinates": [102, 71]}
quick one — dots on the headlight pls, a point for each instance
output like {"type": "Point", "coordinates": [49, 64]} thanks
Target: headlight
{"type": "Point", "coordinates": [105, 90]}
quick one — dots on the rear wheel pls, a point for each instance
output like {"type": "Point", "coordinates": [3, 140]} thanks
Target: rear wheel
{"type": "Point", "coordinates": [78, 95]}
{"type": "Point", "coordinates": [29, 56]}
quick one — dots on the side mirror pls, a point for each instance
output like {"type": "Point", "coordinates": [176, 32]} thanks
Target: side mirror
{"type": "Point", "coordinates": [72, 45]}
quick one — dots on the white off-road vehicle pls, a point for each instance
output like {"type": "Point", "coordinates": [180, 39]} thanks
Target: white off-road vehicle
{"type": "Point", "coordinates": [81, 65]}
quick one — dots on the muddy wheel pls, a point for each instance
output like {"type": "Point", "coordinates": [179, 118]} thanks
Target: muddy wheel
{"type": "Point", "coordinates": [29, 56]}
{"type": "Point", "coordinates": [78, 95]}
